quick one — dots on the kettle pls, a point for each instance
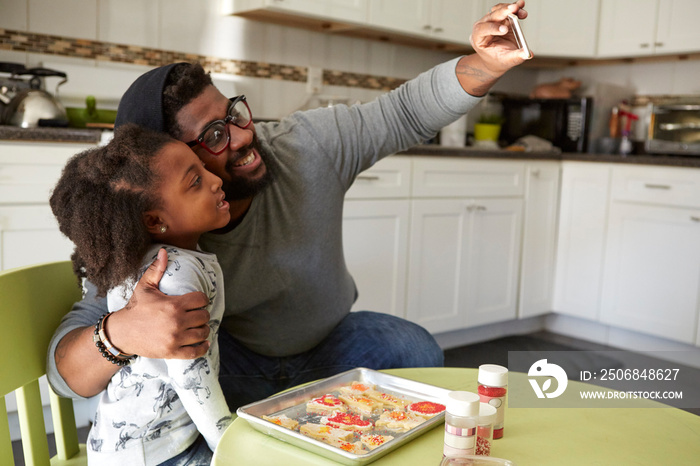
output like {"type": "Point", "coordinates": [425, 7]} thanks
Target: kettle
{"type": "Point", "coordinates": [34, 107]}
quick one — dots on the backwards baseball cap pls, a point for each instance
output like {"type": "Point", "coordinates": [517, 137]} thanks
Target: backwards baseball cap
{"type": "Point", "coordinates": [142, 103]}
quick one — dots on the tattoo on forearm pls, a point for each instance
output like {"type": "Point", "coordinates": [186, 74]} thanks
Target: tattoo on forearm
{"type": "Point", "coordinates": [477, 75]}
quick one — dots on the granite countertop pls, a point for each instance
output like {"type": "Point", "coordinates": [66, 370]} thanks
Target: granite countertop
{"type": "Point", "coordinates": [646, 159]}
{"type": "Point", "coordinates": [77, 135]}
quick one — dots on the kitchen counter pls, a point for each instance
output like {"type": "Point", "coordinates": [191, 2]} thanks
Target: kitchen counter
{"type": "Point", "coordinates": [647, 159]}
{"type": "Point", "coordinates": [10, 133]}
{"type": "Point", "coordinates": [78, 135]}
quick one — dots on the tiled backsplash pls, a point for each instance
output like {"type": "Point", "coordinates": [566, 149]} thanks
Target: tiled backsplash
{"type": "Point", "coordinates": [46, 44]}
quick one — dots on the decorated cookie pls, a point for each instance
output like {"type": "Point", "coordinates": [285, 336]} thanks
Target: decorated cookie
{"type": "Point", "coordinates": [326, 405]}
{"type": "Point", "coordinates": [347, 421]}
{"type": "Point", "coordinates": [282, 420]}
{"type": "Point", "coordinates": [398, 421]}
{"type": "Point", "coordinates": [362, 405]}
{"type": "Point", "coordinates": [373, 441]}
{"type": "Point", "coordinates": [356, 388]}
{"type": "Point", "coordinates": [425, 409]}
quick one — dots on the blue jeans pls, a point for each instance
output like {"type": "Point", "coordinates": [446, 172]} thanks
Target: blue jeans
{"type": "Point", "coordinates": [362, 339]}
{"type": "Point", "coordinates": [197, 454]}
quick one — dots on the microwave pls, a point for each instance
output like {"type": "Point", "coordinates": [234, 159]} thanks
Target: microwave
{"type": "Point", "coordinates": [674, 129]}
{"type": "Point", "coordinates": [564, 122]}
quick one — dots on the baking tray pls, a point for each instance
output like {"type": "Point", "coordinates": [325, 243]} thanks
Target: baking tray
{"type": "Point", "coordinates": [293, 404]}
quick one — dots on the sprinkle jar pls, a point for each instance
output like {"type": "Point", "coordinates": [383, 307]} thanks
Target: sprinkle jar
{"type": "Point", "coordinates": [461, 418]}
{"type": "Point", "coordinates": [484, 429]}
{"type": "Point", "coordinates": [493, 387]}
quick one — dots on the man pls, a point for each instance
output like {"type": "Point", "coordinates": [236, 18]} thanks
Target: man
{"type": "Point", "coordinates": [288, 292]}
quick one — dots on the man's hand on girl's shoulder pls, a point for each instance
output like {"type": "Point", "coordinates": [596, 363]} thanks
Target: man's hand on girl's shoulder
{"type": "Point", "coordinates": [159, 326]}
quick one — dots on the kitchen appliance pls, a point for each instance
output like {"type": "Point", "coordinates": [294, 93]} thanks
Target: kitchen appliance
{"type": "Point", "coordinates": [10, 84]}
{"type": "Point", "coordinates": [26, 105]}
{"type": "Point", "coordinates": [674, 128]}
{"type": "Point", "coordinates": [564, 122]}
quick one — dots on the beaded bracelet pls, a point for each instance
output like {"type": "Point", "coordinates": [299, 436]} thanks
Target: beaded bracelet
{"type": "Point", "coordinates": [110, 352]}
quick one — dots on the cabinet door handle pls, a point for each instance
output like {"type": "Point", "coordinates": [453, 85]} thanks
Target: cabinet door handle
{"type": "Point", "coordinates": [368, 177]}
{"type": "Point", "coordinates": [695, 218]}
{"type": "Point", "coordinates": [659, 44]}
{"type": "Point", "coordinates": [535, 172]}
{"type": "Point", "coordinates": [427, 27]}
{"type": "Point", "coordinates": [657, 186]}
{"type": "Point", "coordinates": [473, 207]}
{"type": "Point", "coordinates": [645, 45]}
{"type": "Point", "coordinates": [438, 30]}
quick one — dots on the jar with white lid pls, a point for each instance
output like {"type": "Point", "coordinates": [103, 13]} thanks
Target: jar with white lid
{"type": "Point", "coordinates": [461, 420]}
{"type": "Point", "coordinates": [492, 389]}
{"type": "Point", "coordinates": [484, 429]}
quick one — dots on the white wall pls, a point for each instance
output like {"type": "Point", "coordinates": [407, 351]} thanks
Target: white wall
{"type": "Point", "coordinates": [660, 78]}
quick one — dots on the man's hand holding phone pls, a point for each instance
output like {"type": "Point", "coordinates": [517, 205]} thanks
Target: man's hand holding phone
{"type": "Point", "coordinates": [495, 37]}
{"type": "Point", "coordinates": [519, 36]}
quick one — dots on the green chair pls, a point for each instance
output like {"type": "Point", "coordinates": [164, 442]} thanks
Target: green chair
{"type": "Point", "coordinates": [33, 300]}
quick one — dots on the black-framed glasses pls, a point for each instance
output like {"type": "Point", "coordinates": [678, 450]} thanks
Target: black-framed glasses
{"type": "Point", "coordinates": [216, 137]}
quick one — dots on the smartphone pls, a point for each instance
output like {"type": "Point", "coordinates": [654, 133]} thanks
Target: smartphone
{"type": "Point", "coordinates": [518, 33]}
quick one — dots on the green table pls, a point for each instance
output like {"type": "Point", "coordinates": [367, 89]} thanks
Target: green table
{"type": "Point", "coordinates": [537, 437]}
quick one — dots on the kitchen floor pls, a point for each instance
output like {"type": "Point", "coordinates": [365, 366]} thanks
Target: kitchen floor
{"type": "Point", "coordinates": [490, 352]}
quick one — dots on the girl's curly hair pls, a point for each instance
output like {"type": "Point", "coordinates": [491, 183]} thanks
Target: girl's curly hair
{"type": "Point", "coordinates": [184, 82]}
{"type": "Point", "coordinates": [99, 203]}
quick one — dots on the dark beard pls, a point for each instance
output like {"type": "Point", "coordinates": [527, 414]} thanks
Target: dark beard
{"type": "Point", "coordinates": [239, 187]}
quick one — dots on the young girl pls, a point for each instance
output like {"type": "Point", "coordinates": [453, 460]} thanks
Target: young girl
{"type": "Point", "coordinates": [120, 204]}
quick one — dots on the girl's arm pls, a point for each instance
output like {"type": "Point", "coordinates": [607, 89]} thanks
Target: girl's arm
{"type": "Point", "coordinates": [196, 381]}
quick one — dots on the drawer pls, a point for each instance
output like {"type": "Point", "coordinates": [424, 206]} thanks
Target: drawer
{"type": "Point", "coordinates": [28, 184]}
{"type": "Point", "coordinates": [440, 177]}
{"type": "Point", "coordinates": [29, 171]}
{"type": "Point", "coordinates": [388, 178]}
{"type": "Point", "coordinates": [657, 185]}
{"type": "Point", "coordinates": [39, 153]}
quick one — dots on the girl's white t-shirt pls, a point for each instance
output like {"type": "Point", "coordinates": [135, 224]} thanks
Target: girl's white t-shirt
{"type": "Point", "coordinates": [153, 409]}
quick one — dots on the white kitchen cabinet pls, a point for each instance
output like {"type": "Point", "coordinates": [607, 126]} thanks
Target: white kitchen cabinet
{"type": "Point", "coordinates": [342, 10]}
{"type": "Point", "coordinates": [464, 253]}
{"type": "Point", "coordinates": [29, 235]}
{"type": "Point", "coordinates": [375, 235]}
{"type": "Point", "coordinates": [464, 260]}
{"type": "Point", "coordinates": [445, 177]}
{"type": "Point", "coordinates": [677, 29]}
{"type": "Point", "coordinates": [627, 28]}
{"type": "Point", "coordinates": [652, 273]}
{"type": "Point", "coordinates": [631, 28]}
{"type": "Point", "coordinates": [652, 270]}
{"type": "Point", "coordinates": [539, 238]}
{"type": "Point", "coordinates": [562, 28]}
{"type": "Point", "coordinates": [28, 229]}
{"type": "Point", "coordinates": [375, 240]}
{"type": "Point", "coordinates": [583, 216]}
{"type": "Point", "coordinates": [443, 20]}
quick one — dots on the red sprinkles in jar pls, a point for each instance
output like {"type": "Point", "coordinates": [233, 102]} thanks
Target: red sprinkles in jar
{"type": "Point", "coordinates": [493, 392]}
{"type": "Point", "coordinates": [483, 446]}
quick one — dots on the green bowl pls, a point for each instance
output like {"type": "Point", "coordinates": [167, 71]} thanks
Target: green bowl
{"type": "Point", "coordinates": [80, 117]}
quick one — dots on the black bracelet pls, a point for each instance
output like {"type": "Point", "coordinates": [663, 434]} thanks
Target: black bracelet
{"type": "Point", "coordinates": [110, 352]}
